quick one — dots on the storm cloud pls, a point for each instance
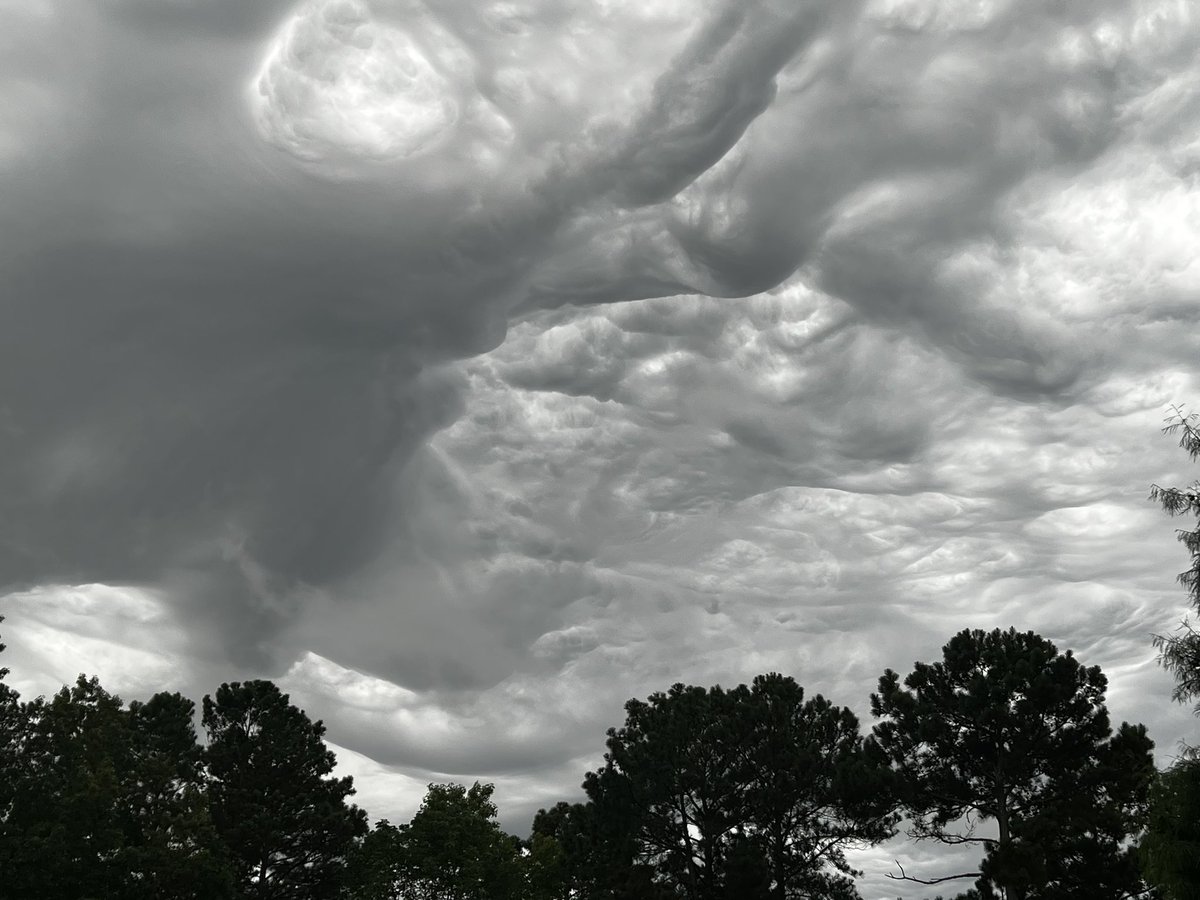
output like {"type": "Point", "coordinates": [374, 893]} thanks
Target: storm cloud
{"type": "Point", "coordinates": [473, 367]}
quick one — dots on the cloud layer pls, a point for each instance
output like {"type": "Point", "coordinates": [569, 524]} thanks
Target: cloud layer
{"type": "Point", "coordinates": [474, 367]}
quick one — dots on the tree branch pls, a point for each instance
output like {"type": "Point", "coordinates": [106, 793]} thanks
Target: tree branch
{"type": "Point", "coordinates": [903, 877]}
{"type": "Point", "coordinates": [954, 839]}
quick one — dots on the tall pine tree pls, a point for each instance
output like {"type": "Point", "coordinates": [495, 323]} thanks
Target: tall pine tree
{"type": "Point", "coordinates": [712, 792]}
{"type": "Point", "coordinates": [283, 819]}
{"type": "Point", "coordinates": [1008, 731]}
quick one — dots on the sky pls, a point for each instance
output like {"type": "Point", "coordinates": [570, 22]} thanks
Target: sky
{"type": "Point", "coordinates": [471, 367]}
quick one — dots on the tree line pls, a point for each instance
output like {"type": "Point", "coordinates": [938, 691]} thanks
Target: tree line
{"type": "Point", "coordinates": [758, 792]}
{"type": "Point", "coordinates": [753, 792]}
{"type": "Point", "coordinates": [99, 799]}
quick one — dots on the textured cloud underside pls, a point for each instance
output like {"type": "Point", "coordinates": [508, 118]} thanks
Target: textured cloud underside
{"type": "Point", "coordinates": [472, 367]}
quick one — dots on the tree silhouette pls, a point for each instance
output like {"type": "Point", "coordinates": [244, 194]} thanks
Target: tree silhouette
{"type": "Point", "coordinates": [1007, 730]}
{"type": "Point", "coordinates": [64, 839]}
{"type": "Point", "coordinates": [1180, 652]}
{"type": "Point", "coordinates": [702, 787]}
{"type": "Point", "coordinates": [453, 849]}
{"type": "Point", "coordinates": [12, 732]}
{"type": "Point", "coordinates": [105, 801]}
{"type": "Point", "coordinates": [593, 852]}
{"type": "Point", "coordinates": [1170, 851]}
{"type": "Point", "coordinates": [811, 789]}
{"type": "Point", "coordinates": [283, 819]}
{"type": "Point", "coordinates": [172, 849]}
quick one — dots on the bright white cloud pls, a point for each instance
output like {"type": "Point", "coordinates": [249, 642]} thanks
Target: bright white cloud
{"type": "Point", "coordinates": [336, 81]}
{"type": "Point", "coordinates": [123, 634]}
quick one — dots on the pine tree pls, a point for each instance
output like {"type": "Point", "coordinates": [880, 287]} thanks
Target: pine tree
{"type": "Point", "coordinates": [1005, 729]}
{"type": "Point", "coordinates": [172, 849]}
{"type": "Point", "coordinates": [707, 790]}
{"type": "Point", "coordinates": [283, 819]}
{"type": "Point", "coordinates": [1180, 652]}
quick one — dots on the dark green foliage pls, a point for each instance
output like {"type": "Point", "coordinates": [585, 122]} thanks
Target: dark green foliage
{"type": "Point", "coordinates": [747, 871]}
{"type": "Point", "coordinates": [1180, 652]}
{"type": "Point", "coordinates": [172, 848]}
{"type": "Point", "coordinates": [663, 785]}
{"type": "Point", "coordinates": [1170, 851]}
{"type": "Point", "coordinates": [704, 786]}
{"type": "Point", "coordinates": [109, 802]}
{"type": "Point", "coordinates": [13, 727]}
{"type": "Point", "coordinates": [752, 793]}
{"type": "Point", "coordinates": [283, 819]}
{"type": "Point", "coordinates": [1006, 729]}
{"type": "Point", "coordinates": [61, 837]}
{"type": "Point", "coordinates": [811, 790]}
{"type": "Point", "coordinates": [456, 849]}
{"type": "Point", "coordinates": [575, 860]}
{"type": "Point", "coordinates": [375, 867]}
{"type": "Point", "coordinates": [593, 854]}
{"type": "Point", "coordinates": [453, 849]}
{"type": "Point", "coordinates": [547, 872]}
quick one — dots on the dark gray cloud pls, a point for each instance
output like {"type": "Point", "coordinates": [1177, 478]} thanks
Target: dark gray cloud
{"type": "Point", "coordinates": [474, 367]}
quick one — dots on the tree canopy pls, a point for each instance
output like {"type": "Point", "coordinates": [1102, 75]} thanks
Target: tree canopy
{"type": "Point", "coordinates": [751, 793]}
{"type": "Point", "coordinates": [65, 840]}
{"type": "Point", "coordinates": [1180, 652]}
{"type": "Point", "coordinates": [755, 784]}
{"type": "Point", "coordinates": [1170, 851]}
{"type": "Point", "coordinates": [12, 732]}
{"type": "Point", "coordinates": [282, 817]}
{"type": "Point", "coordinates": [1006, 730]}
{"type": "Point", "coordinates": [108, 801]}
{"type": "Point", "coordinates": [453, 849]}
{"type": "Point", "coordinates": [172, 846]}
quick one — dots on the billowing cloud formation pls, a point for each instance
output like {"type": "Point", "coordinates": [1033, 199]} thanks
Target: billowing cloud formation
{"type": "Point", "coordinates": [474, 367]}
{"type": "Point", "coordinates": [336, 80]}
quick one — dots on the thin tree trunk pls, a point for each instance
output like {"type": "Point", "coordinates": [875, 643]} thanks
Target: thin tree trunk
{"type": "Point", "coordinates": [1004, 825]}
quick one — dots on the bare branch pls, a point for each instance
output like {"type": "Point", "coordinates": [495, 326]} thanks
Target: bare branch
{"type": "Point", "coordinates": [954, 839]}
{"type": "Point", "coordinates": [904, 877]}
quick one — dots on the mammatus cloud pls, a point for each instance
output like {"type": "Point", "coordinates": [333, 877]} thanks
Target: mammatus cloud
{"type": "Point", "coordinates": [473, 368]}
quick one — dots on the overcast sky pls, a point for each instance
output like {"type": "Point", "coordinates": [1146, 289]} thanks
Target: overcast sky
{"type": "Point", "coordinates": [470, 367]}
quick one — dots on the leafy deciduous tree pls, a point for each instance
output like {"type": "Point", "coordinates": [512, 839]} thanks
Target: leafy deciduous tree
{"type": "Point", "coordinates": [453, 849]}
{"type": "Point", "coordinates": [456, 845]}
{"type": "Point", "coordinates": [1008, 730]}
{"type": "Point", "coordinates": [64, 839]}
{"type": "Point", "coordinates": [593, 854]}
{"type": "Point", "coordinates": [1170, 851]}
{"type": "Point", "coordinates": [74, 752]}
{"type": "Point", "coordinates": [547, 868]}
{"type": "Point", "coordinates": [104, 801]}
{"type": "Point", "coordinates": [375, 867]}
{"type": "Point", "coordinates": [12, 731]}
